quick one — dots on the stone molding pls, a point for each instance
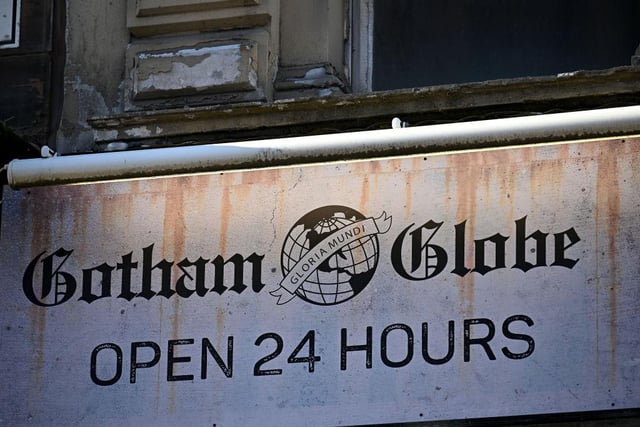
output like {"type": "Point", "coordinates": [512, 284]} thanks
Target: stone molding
{"type": "Point", "coordinates": [146, 18]}
{"type": "Point", "coordinates": [420, 106]}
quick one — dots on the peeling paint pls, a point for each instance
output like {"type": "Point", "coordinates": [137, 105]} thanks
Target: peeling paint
{"type": "Point", "coordinates": [140, 132]}
{"type": "Point", "coordinates": [198, 70]}
{"type": "Point", "coordinates": [87, 100]}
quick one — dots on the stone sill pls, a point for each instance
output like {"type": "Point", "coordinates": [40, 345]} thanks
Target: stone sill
{"type": "Point", "coordinates": [352, 112]}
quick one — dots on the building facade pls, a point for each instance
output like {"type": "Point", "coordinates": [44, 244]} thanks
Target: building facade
{"type": "Point", "coordinates": [107, 76]}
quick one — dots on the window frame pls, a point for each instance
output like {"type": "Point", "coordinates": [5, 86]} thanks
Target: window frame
{"type": "Point", "coordinates": [359, 52]}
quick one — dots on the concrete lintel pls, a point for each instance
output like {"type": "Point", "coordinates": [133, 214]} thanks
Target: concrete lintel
{"type": "Point", "coordinates": [205, 69]}
{"type": "Point", "coordinates": [166, 7]}
{"type": "Point", "coordinates": [353, 112]}
{"type": "Point", "coordinates": [211, 19]}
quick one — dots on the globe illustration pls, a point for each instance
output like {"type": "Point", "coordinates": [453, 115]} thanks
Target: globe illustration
{"type": "Point", "coordinates": [345, 272]}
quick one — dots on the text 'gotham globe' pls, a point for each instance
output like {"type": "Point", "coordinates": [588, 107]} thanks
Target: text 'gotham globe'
{"type": "Point", "coordinates": [346, 272]}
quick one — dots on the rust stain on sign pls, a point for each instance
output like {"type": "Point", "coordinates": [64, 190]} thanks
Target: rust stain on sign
{"type": "Point", "coordinates": [608, 212]}
{"type": "Point", "coordinates": [175, 208]}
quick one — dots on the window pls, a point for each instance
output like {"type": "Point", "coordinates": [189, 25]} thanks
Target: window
{"type": "Point", "coordinates": [412, 43]}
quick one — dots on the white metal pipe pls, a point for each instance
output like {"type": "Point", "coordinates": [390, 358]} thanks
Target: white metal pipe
{"type": "Point", "coordinates": [308, 149]}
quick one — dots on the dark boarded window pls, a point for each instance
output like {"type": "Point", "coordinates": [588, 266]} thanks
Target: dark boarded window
{"type": "Point", "coordinates": [31, 71]}
{"type": "Point", "coordinates": [431, 42]}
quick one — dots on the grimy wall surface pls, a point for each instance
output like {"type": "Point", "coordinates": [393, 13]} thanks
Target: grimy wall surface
{"type": "Point", "coordinates": [142, 73]}
{"type": "Point", "coordinates": [482, 284]}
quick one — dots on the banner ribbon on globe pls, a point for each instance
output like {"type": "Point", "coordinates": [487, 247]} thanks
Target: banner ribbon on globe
{"type": "Point", "coordinates": [324, 249]}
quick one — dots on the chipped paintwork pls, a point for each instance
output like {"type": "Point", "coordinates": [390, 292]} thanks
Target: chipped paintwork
{"type": "Point", "coordinates": [141, 131]}
{"type": "Point", "coordinates": [582, 302]}
{"type": "Point", "coordinates": [204, 69]}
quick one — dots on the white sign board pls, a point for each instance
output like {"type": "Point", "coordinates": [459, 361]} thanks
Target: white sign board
{"type": "Point", "coordinates": [466, 285]}
{"type": "Point", "coordinates": [9, 23]}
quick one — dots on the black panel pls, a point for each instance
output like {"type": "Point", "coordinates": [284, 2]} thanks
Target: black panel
{"type": "Point", "coordinates": [431, 42]}
{"type": "Point", "coordinates": [31, 77]}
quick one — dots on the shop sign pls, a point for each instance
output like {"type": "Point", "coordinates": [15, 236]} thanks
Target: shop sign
{"type": "Point", "coordinates": [9, 23]}
{"type": "Point", "coordinates": [477, 284]}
